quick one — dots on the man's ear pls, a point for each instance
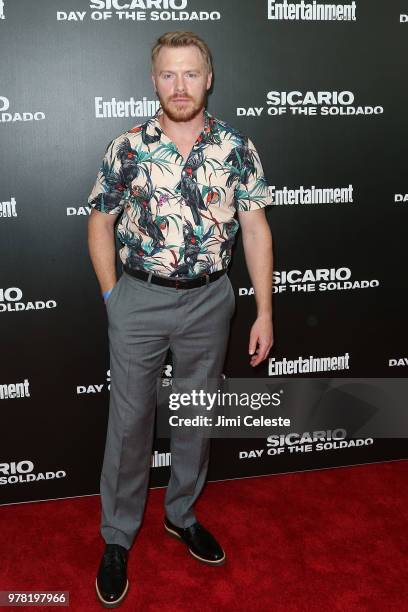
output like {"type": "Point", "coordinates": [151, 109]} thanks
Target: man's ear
{"type": "Point", "coordinates": [154, 82]}
{"type": "Point", "coordinates": [209, 80]}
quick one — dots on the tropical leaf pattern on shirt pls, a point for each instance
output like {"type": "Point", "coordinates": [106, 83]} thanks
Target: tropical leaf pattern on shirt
{"type": "Point", "coordinates": [178, 217]}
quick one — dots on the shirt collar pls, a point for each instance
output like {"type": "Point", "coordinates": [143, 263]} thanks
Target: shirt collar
{"type": "Point", "coordinates": [154, 129]}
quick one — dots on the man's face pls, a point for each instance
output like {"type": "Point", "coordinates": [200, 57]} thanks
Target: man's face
{"type": "Point", "coordinates": [181, 81]}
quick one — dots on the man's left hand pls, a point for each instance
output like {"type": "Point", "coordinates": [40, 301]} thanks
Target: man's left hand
{"type": "Point", "coordinates": [260, 339]}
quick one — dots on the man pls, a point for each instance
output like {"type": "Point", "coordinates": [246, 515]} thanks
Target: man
{"type": "Point", "coordinates": [178, 179]}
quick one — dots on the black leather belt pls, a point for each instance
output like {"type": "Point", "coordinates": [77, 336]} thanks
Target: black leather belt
{"type": "Point", "coordinates": [177, 283]}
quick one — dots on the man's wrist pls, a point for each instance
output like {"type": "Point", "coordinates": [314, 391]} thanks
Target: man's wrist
{"type": "Point", "coordinates": [264, 314]}
{"type": "Point", "coordinates": [106, 294]}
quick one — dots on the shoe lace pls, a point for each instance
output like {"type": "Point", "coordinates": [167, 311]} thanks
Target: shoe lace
{"type": "Point", "coordinates": [115, 559]}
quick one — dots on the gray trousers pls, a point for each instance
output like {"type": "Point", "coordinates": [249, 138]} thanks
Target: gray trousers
{"type": "Point", "coordinates": [144, 321]}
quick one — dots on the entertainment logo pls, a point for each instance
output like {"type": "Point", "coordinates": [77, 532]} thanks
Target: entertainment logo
{"type": "Point", "coordinates": [311, 195]}
{"type": "Point", "coordinates": [15, 390]}
{"type": "Point", "coordinates": [305, 365]}
{"type": "Point", "coordinates": [8, 209]}
{"type": "Point", "coordinates": [105, 109]}
{"type": "Point", "coordinates": [310, 10]}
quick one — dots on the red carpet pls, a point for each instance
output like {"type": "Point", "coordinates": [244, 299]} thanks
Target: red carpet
{"type": "Point", "coordinates": [322, 540]}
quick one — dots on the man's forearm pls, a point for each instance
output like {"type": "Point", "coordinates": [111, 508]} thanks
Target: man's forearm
{"type": "Point", "coordinates": [101, 244]}
{"type": "Point", "coordinates": [259, 260]}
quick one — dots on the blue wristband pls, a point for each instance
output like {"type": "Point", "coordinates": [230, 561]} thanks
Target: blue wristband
{"type": "Point", "coordinates": [107, 294]}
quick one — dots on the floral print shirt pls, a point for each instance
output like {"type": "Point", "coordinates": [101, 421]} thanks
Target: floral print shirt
{"type": "Point", "coordinates": [178, 217]}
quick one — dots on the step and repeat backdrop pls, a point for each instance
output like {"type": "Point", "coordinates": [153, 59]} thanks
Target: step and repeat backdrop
{"type": "Point", "coordinates": [321, 89]}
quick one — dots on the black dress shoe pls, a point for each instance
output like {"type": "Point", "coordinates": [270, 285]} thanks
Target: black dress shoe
{"type": "Point", "coordinates": [201, 544]}
{"type": "Point", "coordinates": [112, 583]}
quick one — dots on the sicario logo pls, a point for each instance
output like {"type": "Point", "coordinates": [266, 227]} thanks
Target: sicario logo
{"type": "Point", "coordinates": [12, 117]}
{"type": "Point", "coordinates": [10, 301]}
{"type": "Point", "coordinates": [401, 197]}
{"type": "Point", "coordinates": [92, 389]}
{"type": "Point", "coordinates": [398, 361]}
{"type": "Point", "coordinates": [167, 375]}
{"type": "Point", "coordinates": [84, 211]}
{"type": "Point", "coordinates": [139, 10]}
{"type": "Point", "coordinates": [306, 442]}
{"type": "Point", "coordinates": [310, 103]}
{"type": "Point", "coordinates": [331, 439]}
{"type": "Point", "coordinates": [22, 472]}
{"type": "Point", "coordinates": [309, 281]}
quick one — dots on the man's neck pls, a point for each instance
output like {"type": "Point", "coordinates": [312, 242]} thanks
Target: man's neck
{"type": "Point", "coordinates": [184, 130]}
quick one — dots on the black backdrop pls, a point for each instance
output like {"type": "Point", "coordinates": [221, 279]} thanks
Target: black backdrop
{"type": "Point", "coordinates": [60, 62]}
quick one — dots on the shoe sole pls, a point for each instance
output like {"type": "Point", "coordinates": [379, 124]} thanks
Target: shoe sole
{"type": "Point", "coordinates": [111, 604]}
{"type": "Point", "coordinates": [175, 535]}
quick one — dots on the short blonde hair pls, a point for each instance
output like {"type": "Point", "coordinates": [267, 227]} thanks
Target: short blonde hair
{"type": "Point", "coordinates": [183, 39]}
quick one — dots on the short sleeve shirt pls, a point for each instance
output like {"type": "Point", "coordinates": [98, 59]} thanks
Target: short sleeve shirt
{"type": "Point", "coordinates": [178, 216]}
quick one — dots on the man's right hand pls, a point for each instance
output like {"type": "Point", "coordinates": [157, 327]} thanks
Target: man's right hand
{"type": "Point", "coordinates": [106, 295]}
